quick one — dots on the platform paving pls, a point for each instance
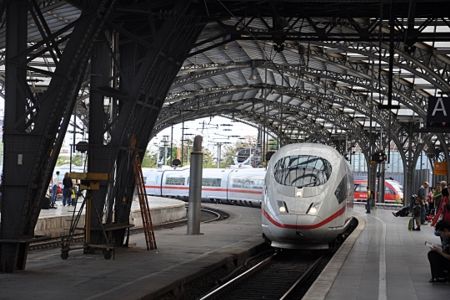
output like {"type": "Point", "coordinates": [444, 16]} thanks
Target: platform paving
{"type": "Point", "coordinates": [136, 273]}
{"type": "Point", "coordinates": [384, 261]}
{"type": "Point", "coordinates": [381, 260]}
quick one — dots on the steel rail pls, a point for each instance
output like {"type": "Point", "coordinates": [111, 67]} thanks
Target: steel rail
{"type": "Point", "coordinates": [303, 278]}
{"type": "Point", "coordinates": [240, 277]}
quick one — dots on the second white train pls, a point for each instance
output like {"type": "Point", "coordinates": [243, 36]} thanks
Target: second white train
{"type": "Point", "coordinates": [240, 185]}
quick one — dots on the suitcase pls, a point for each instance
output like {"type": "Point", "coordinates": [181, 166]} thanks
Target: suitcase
{"type": "Point", "coordinates": [411, 224]}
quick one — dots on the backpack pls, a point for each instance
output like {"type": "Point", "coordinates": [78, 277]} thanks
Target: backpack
{"type": "Point", "coordinates": [411, 224]}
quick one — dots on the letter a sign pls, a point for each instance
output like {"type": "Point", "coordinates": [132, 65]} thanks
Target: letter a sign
{"type": "Point", "coordinates": [438, 114]}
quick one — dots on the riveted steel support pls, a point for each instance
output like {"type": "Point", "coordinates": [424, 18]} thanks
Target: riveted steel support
{"type": "Point", "coordinates": [141, 115]}
{"type": "Point", "coordinates": [99, 152]}
{"type": "Point", "coordinates": [34, 137]}
{"type": "Point", "coordinates": [17, 155]}
{"type": "Point", "coordinates": [147, 69]}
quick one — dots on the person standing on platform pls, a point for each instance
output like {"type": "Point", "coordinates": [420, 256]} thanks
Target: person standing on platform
{"type": "Point", "coordinates": [67, 190]}
{"type": "Point", "coordinates": [56, 181]}
{"type": "Point", "coordinates": [416, 212]}
{"type": "Point", "coordinates": [443, 210]}
{"type": "Point", "coordinates": [430, 201]}
{"type": "Point", "coordinates": [439, 257]}
{"type": "Point", "coordinates": [369, 194]}
{"type": "Point", "coordinates": [437, 196]}
{"type": "Point", "coordinates": [422, 196]}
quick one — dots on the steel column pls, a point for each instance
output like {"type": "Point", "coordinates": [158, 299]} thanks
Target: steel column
{"type": "Point", "coordinates": [99, 152]}
{"type": "Point", "coordinates": [144, 85]}
{"type": "Point", "coordinates": [35, 148]}
{"type": "Point", "coordinates": [16, 158]}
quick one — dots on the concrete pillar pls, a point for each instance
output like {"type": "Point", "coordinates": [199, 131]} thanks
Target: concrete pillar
{"type": "Point", "coordinates": [195, 187]}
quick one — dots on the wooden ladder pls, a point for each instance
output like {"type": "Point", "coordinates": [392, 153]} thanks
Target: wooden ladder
{"type": "Point", "coordinates": [143, 202]}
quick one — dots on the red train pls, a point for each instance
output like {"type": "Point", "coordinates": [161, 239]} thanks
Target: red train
{"type": "Point", "coordinates": [393, 191]}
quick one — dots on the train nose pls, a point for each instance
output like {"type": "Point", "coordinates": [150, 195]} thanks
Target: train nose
{"type": "Point", "coordinates": [305, 222]}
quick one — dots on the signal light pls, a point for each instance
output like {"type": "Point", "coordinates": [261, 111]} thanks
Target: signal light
{"type": "Point", "coordinates": [379, 157]}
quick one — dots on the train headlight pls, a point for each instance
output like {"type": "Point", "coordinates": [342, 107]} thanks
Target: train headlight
{"type": "Point", "coordinates": [312, 209]}
{"type": "Point", "coordinates": [282, 207]}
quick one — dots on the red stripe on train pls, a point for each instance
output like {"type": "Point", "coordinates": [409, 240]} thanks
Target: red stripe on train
{"type": "Point", "coordinates": [312, 226]}
{"type": "Point", "coordinates": [244, 191]}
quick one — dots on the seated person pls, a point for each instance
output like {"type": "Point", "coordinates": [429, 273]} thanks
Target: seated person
{"type": "Point", "coordinates": [439, 257]}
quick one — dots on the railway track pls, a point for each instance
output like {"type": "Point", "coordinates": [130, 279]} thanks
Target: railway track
{"type": "Point", "coordinates": [208, 215]}
{"type": "Point", "coordinates": [279, 276]}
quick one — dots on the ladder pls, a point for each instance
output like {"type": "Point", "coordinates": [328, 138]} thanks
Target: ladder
{"type": "Point", "coordinates": [143, 202]}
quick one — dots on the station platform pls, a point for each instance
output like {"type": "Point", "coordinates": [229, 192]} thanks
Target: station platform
{"type": "Point", "coordinates": [136, 273]}
{"type": "Point", "coordinates": [55, 222]}
{"type": "Point", "coordinates": [380, 260]}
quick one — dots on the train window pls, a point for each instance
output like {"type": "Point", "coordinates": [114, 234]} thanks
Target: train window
{"type": "Point", "coordinates": [211, 181]}
{"type": "Point", "coordinates": [387, 190]}
{"type": "Point", "coordinates": [175, 180]}
{"type": "Point", "coordinates": [341, 191]}
{"type": "Point", "coordinates": [361, 187]}
{"type": "Point", "coordinates": [247, 183]}
{"type": "Point", "coordinates": [302, 171]}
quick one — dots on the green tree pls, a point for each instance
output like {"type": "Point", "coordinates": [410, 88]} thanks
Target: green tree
{"type": "Point", "coordinates": [149, 160]}
{"type": "Point", "coordinates": [78, 160]}
{"type": "Point", "coordinates": [228, 156]}
{"type": "Point", "coordinates": [62, 160]}
{"type": "Point", "coordinates": [208, 160]}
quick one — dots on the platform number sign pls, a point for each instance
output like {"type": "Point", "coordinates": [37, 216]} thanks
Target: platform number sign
{"type": "Point", "coordinates": [438, 113]}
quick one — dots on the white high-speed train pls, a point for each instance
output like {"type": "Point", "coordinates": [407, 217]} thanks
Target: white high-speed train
{"type": "Point", "coordinates": [241, 185]}
{"type": "Point", "coordinates": [308, 197]}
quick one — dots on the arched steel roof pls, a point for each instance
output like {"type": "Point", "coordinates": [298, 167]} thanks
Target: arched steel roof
{"type": "Point", "coordinates": [329, 79]}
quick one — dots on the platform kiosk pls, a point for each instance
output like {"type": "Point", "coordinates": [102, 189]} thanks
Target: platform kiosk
{"type": "Point", "coordinates": [87, 183]}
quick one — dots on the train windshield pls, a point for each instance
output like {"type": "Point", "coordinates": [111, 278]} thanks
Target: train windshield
{"type": "Point", "coordinates": [302, 171]}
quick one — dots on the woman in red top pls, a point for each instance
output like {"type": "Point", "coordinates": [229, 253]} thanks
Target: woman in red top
{"type": "Point", "coordinates": [444, 208]}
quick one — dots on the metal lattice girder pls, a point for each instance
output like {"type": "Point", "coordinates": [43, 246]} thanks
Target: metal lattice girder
{"type": "Point", "coordinates": [358, 103]}
{"type": "Point", "coordinates": [253, 105]}
{"type": "Point", "coordinates": [402, 89]}
{"type": "Point", "coordinates": [359, 77]}
{"type": "Point", "coordinates": [147, 68]}
{"type": "Point", "coordinates": [362, 77]}
{"type": "Point", "coordinates": [328, 8]}
{"type": "Point", "coordinates": [311, 75]}
{"type": "Point", "coordinates": [334, 76]}
{"type": "Point", "coordinates": [33, 137]}
{"type": "Point", "coordinates": [253, 117]}
{"type": "Point", "coordinates": [424, 62]}
{"type": "Point", "coordinates": [201, 98]}
{"type": "Point", "coordinates": [406, 96]}
{"type": "Point", "coordinates": [279, 28]}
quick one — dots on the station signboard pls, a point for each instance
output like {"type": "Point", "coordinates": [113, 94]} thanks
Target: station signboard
{"type": "Point", "coordinates": [438, 113]}
{"type": "Point", "coordinates": [440, 168]}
